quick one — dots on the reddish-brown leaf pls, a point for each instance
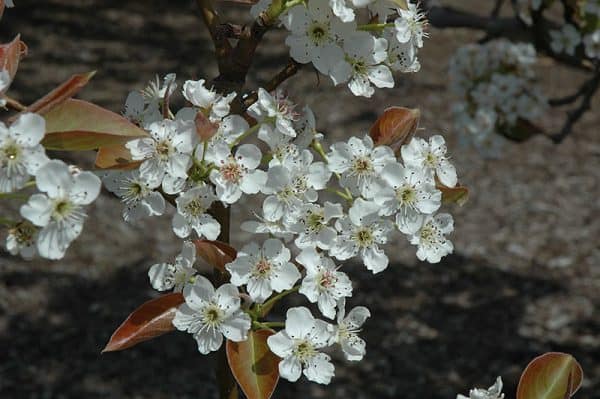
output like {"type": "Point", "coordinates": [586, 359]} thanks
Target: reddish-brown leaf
{"type": "Point", "coordinates": [63, 92]}
{"type": "Point", "coordinates": [76, 125]}
{"type": "Point", "coordinates": [150, 320]}
{"type": "Point", "coordinates": [205, 129]}
{"type": "Point", "coordinates": [10, 55]}
{"type": "Point", "coordinates": [254, 366]}
{"type": "Point", "coordinates": [215, 253]}
{"type": "Point", "coordinates": [457, 195]}
{"type": "Point", "coordinates": [115, 157]}
{"type": "Point", "coordinates": [395, 127]}
{"type": "Point", "coordinates": [552, 375]}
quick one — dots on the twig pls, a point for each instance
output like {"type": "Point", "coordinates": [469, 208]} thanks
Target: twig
{"type": "Point", "coordinates": [287, 72]}
{"type": "Point", "coordinates": [14, 104]}
{"type": "Point", "coordinates": [212, 21]}
{"type": "Point", "coordinates": [574, 115]}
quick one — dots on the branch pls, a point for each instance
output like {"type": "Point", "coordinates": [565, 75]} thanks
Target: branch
{"type": "Point", "coordinates": [14, 104]}
{"type": "Point", "coordinates": [290, 70]}
{"type": "Point", "coordinates": [213, 22]}
{"type": "Point", "coordinates": [591, 87]}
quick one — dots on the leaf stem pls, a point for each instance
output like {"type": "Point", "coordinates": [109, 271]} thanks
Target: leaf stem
{"type": "Point", "coordinates": [247, 133]}
{"type": "Point", "coordinates": [266, 307]}
{"type": "Point", "coordinates": [375, 27]}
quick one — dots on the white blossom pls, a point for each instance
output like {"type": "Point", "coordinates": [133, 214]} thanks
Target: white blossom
{"type": "Point", "coordinates": [311, 224]}
{"type": "Point", "coordinates": [275, 109]}
{"type": "Point", "coordinates": [592, 44]}
{"type": "Point", "coordinates": [410, 194]}
{"type": "Point", "coordinates": [359, 164]}
{"type": "Point", "coordinates": [236, 174]}
{"type": "Point", "coordinates": [60, 211]}
{"type": "Point", "coordinates": [410, 25]}
{"type": "Point", "coordinates": [136, 192]}
{"type": "Point", "coordinates": [167, 276]}
{"type": "Point", "coordinates": [314, 35]}
{"type": "Point", "coordinates": [493, 392]}
{"type": "Point", "coordinates": [323, 283]}
{"type": "Point", "coordinates": [137, 111]}
{"type": "Point", "coordinates": [166, 152]}
{"type": "Point", "coordinates": [21, 240]}
{"type": "Point", "coordinates": [345, 333]}
{"type": "Point", "coordinates": [361, 233]}
{"type": "Point", "coordinates": [216, 106]}
{"type": "Point", "coordinates": [210, 314]}
{"type": "Point", "coordinates": [430, 156]}
{"type": "Point", "coordinates": [264, 226]}
{"type": "Point", "coordinates": [298, 345]}
{"type": "Point", "coordinates": [21, 154]}
{"type": "Point", "coordinates": [263, 269]}
{"type": "Point", "coordinates": [431, 240]}
{"type": "Point", "coordinates": [565, 40]}
{"type": "Point", "coordinates": [192, 208]}
{"type": "Point", "coordinates": [362, 64]}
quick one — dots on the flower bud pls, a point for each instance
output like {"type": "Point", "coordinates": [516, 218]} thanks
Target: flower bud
{"type": "Point", "coordinates": [395, 127]}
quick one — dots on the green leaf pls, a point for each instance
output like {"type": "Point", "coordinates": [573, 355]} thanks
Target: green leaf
{"type": "Point", "coordinates": [254, 366]}
{"type": "Point", "coordinates": [552, 375]}
{"type": "Point", "coordinates": [77, 125]}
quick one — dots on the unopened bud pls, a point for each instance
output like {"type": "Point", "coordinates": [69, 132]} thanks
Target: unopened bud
{"type": "Point", "coordinates": [395, 127]}
{"type": "Point", "coordinates": [205, 129]}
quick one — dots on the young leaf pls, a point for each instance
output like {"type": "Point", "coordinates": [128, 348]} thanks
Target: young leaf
{"type": "Point", "coordinates": [395, 127]}
{"type": "Point", "coordinates": [205, 129]}
{"type": "Point", "coordinates": [150, 320]}
{"type": "Point", "coordinates": [254, 366]}
{"type": "Point", "coordinates": [77, 125]}
{"type": "Point", "coordinates": [63, 92]}
{"type": "Point", "coordinates": [10, 55]}
{"type": "Point", "coordinates": [215, 253]}
{"type": "Point", "coordinates": [458, 195]}
{"type": "Point", "coordinates": [552, 375]}
{"type": "Point", "coordinates": [115, 157]}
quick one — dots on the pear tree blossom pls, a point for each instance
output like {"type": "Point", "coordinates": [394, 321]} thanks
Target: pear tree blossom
{"type": "Point", "coordinates": [192, 208]}
{"type": "Point", "coordinates": [493, 392]}
{"type": "Point", "coordinates": [431, 240]}
{"type": "Point", "coordinates": [209, 314]}
{"type": "Point", "coordinates": [430, 157]}
{"type": "Point", "coordinates": [298, 345]}
{"type": "Point", "coordinates": [345, 333]}
{"type": "Point", "coordinates": [60, 210]}
{"type": "Point", "coordinates": [174, 276]}
{"type": "Point", "coordinates": [21, 154]}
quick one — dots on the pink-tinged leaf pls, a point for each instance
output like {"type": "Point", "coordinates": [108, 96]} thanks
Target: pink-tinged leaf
{"type": "Point", "coordinates": [215, 253]}
{"type": "Point", "coordinates": [152, 319]}
{"type": "Point", "coordinates": [115, 157]}
{"type": "Point", "coordinates": [63, 92]}
{"type": "Point", "coordinates": [453, 195]}
{"type": "Point", "coordinates": [254, 366]}
{"type": "Point", "coordinates": [76, 125]}
{"type": "Point", "coordinates": [552, 375]}
{"type": "Point", "coordinates": [10, 55]}
{"type": "Point", "coordinates": [395, 127]}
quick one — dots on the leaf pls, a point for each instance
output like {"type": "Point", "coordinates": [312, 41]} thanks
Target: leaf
{"type": "Point", "coordinates": [215, 253]}
{"type": "Point", "coordinates": [458, 194]}
{"type": "Point", "coordinates": [254, 366]}
{"type": "Point", "coordinates": [63, 92]}
{"type": "Point", "coordinates": [77, 125]}
{"type": "Point", "coordinates": [115, 157]}
{"type": "Point", "coordinates": [552, 375]}
{"type": "Point", "coordinates": [10, 55]}
{"type": "Point", "coordinates": [150, 320]}
{"type": "Point", "coordinates": [395, 127]}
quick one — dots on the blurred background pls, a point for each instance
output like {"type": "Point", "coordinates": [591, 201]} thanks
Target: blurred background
{"type": "Point", "coordinates": [524, 278]}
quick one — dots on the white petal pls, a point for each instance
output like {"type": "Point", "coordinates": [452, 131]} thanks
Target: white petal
{"type": "Point", "coordinates": [54, 178]}
{"type": "Point", "coordinates": [209, 340]}
{"type": "Point", "coordinates": [280, 344]}
{"type": "Point", "coordinates": [319, 369]}
{"type": "Point", "coordinates": [85, 189]}
{"type": "Point", "coordinates": [290, 368]}
{"type": "Point", "coordinates": [37, 210]}
{"type": "Point", "coordinates": [236, 326]}
{"type": "Point", "coordinates": [28, 129]}
{"type": "Point", "coordinates": [298, 322]}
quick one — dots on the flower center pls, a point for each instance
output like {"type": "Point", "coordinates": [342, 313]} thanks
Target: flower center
{"type": "Point", "coordinates": [163, 149]}
{"type": "Point", "coordinates": [364, 237]}
{"type": "Point", "coordinates": [262, 268]}
{"type": "Point", "coordinates": [327, 279]}
{"type": "Point", "coordinates": [24, 233]}
{"type": "Point", "coordinates": [300, 184]}
{"type": "Point", "coordinates": [62, 208]}
{"type": "Point", "coordinates": [318, 33]}
{"type": "Point", "coordinates": [362, 166]}
{"type": "Point", "coordinates": [431, 159]}
{"type": "Point", "coordinates": [406, 195]}
{"type": "Point", "coordinates": [315, 221]}
{"type": "Point", "coordinates": [429, 235]}
{"type": "Point", "coordinates": [304, 350]}
{"type": "Point", "coordinates": [212, 315]}
{"type": "Point", "coordinates": [195, 207]}
{"type": "Point", "coordinates": [11, 152]}
{"type": "Point", "coordinates": [232, 172]}
{"type": "Point", "coordinates": [359, 66]}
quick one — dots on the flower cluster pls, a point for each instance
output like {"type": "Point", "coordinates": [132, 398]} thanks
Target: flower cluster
{"type": "Point", "coordinates": [493, 392]}
{"type": "Point", "coordinates": [54, 217]}
{"type": "Point", "coordinates": [327, 34]}
{"type": "Point", "coordinates": [496, 85]}
{"type": "Point", "coordinates": [198, 157]}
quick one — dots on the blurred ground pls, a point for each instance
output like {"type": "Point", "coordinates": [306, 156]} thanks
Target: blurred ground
{"type": "Point", "coordinates": [524, 279]}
